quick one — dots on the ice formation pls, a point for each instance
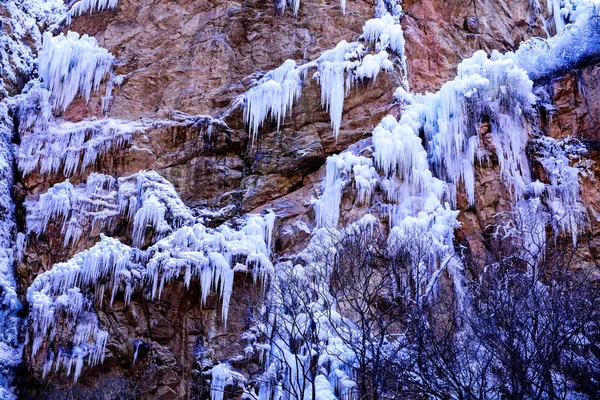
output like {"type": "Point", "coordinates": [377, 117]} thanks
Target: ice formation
{"type": "Point", "coordinates": [579, 43]}
{"type": "Point", "coordinates": [70, 148]}
{"type": "Point", "coordinates": [71, 64]}
{"type": "Point", "coordinates": [89, 6]}
{"type": "Point", "coordinates": [492, 89]}
{"type": "Point", "coordinates": [562, 193]}
{"type": "Point", "coordinates": [338, 70]}
{"type": "Point", "coordinates": [145, 199]}
{"type": "Point", "coordinates": [564, 12]}
{"type": "Point", "coordinates": [411, 181]}
{"type": "Point", "coordinates": [63, 297]}
{"type": "Point", "coordinates": [294, 6]}
{"type": "Point", "coordinates": [274, 95]}
{"type": "Point", "coordinates": [340, 169]}
{"type": "Point", "coordinates": [221, 376]}
{"type": "Point", "coordinates": [10, 348]}
{"type": "Point", "coordinates": [337, 73]}
{"type": "Point", "coordinates": [386, 32]}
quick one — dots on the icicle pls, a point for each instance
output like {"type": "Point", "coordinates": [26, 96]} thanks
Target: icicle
{"type": "Point", "coordinates": [89, 6]}
{"type": "Point", "coordinates": [71, 64]}
{"type": "Point", "coordinates": [70, 148]}
{"type": "Point", "coordinates": [338, 69]}
{"type": "Point", "coordinates": [191, 252]}
{"type": "Point", "coordinates": [274, 95]}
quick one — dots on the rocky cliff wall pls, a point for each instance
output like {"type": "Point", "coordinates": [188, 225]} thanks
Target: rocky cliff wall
{"type": "Point", "coordinates": [182, 64]}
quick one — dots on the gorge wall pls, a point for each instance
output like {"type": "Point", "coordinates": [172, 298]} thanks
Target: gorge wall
{"type": "Point", "coordinates": [143, 222]}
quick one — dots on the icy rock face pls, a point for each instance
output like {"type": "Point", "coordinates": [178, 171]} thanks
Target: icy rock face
{"type": "Point", "coordinates": [62, 301]}
{"type": "Point", "coordinates": [10, 347]}
{"type": "Point", "coordinates": [174, 296]}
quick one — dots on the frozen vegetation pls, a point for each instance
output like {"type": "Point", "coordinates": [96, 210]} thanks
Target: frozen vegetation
{"type": "Point", "coordinates": [579, 42]}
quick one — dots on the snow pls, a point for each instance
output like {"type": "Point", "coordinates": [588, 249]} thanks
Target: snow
{"type": "Point", "coordinates": [20, 36]}
{"type": "Point", "coordinates": [578, 42]}
{"type": "Point", "coordinates": [72, 64]}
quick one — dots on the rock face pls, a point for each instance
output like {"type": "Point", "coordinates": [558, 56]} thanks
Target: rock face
{"type": "Point", "coordinates": [181, 60]}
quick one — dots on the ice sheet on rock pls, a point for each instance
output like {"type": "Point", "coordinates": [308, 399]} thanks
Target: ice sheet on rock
{"type": "Point", "coordinates": [70, 65]}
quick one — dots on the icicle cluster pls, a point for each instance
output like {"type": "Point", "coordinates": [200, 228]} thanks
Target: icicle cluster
{"type": "Point", "coordinates": [337, 73]}
{"type": "Point", "coordinates": [294, 6]}
{"type": "Point", "coordinates": [274, 95]}
{"type": "Point", "coordinates": [146, 199]}
{"type": "Point", "coordinates": [386, 32]}
{"type": "Point", "coordinates": [338, 70]}
{"type": "Point", "coordinates": [60, 302]}
{"type": "Point", "coordinates": [70, 148]}
{"type": "Point", "coordinates": [562, 194]}
{"type": "Point", "coordinates": [340, 169]}
{"type": "Point", "coordinates": [71, 65]}
{"type": "Point", "coordinates": [486, 88]}
{"type": "Point", "coordinates": [89, 6]}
